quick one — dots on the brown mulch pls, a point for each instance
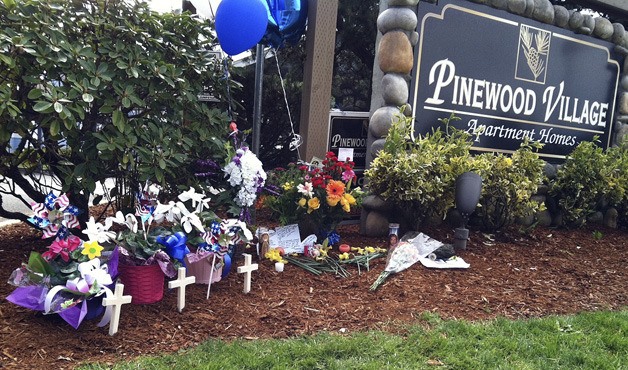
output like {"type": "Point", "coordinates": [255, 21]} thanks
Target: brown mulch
{"type": "Point", "coordinates": [545, 272]}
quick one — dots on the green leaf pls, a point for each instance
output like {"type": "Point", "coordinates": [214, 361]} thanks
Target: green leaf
{"type": "Point", "coordinates": [54, 128]}
{"type": "Point", "coordinates": [102, 146]}
{"type": "Point", "coordinates": [105, 109]}
{"type": "Point", "coordinates": [88, 98]}
{"type": "Point", "coordinates": [97, 199]}
{"type": "Point", "coordinates": [34, 94]}
{"type": "Point", "coordinates": [10, 4]}
{"type": "Point", "coordinates": [42, 106]}
{"type": "Point", "coordinates": [118, 120]}
{"type": "Point", "coordinates": [70, 268]}
{"type": "Point", "coordinates": [126, 102]}
{"type": "Point", "coordinates": [58, 107]}
{"type": "Point", "coordinates": [38, 264]}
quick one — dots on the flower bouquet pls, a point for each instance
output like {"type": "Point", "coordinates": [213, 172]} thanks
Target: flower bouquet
{"type": "Point", "coordinates": [71, 277]}
{"type": "Point", "coordinates": [411, 248]}
{"type": "Point", "coordinates": [319, 198]}
{"type": "Point", "coordinates": [238, 181]}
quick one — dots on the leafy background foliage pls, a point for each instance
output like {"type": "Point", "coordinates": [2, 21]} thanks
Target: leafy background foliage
{"type": "Point", "coordinates": [100, 89]}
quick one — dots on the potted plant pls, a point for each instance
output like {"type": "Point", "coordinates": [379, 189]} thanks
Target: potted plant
{"type": "Point", "coordinates": [71, 277]}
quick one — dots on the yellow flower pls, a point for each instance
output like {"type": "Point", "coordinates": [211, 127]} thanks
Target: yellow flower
{"type": "Point", "coordinates": [369, 250]}
{"type": "Point", "coordinates": [345, 204]}
{"type": "Point", "coordinates": [324, 251]}
{"type": "Point", "coordinates": [313, 204]}
{"type": "Point", "coordinates": [360, 250]}
{"type": "Point", "coordinates": [508, 162]}
{"type": "Point", "coordinates": [287, 186]}
{"type": "Point", "coordinates": [92, 249]}
{"type": "Point", "coordinates": [349, 199]}
{"type": "Point", "coordinates": [274, 255]}
{"type": "Point", "coordinates": [343, 256]}
{"type": "Point", "coordinates": [302, 202]}
{"type": "Point", "coordinates": [332, 201]}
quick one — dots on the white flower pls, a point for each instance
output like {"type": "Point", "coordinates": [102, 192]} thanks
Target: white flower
{"type": "Point", "coordinates": [306, 189]}
{"type": "Point", "coordinates": [170, 211]}
{"type": "Point", "coordinates": [96, 231]}
{"type": "Point", "coordinates": [129, 220]}
{"type": "Point", "coordinates": [189, 220]}
{"type": "Point", "coordinates": [245, 170]}
{"type": "Point", "coordinates": [198, 199]}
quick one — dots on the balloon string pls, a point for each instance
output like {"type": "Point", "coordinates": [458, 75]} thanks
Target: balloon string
{"type": "Point", "coordinates": [296, 141]}
{"type": "Point", "coordinates": [226, 68]}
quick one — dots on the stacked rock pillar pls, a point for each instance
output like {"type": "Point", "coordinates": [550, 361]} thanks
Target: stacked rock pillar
{"type": "Point", "coordinates": [395, 58]}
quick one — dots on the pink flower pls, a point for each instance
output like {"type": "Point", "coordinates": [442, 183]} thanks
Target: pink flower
{"type": "Point", "coordinates": [62, 248]}
{"type": "Point", "coordinates": [348, 175]}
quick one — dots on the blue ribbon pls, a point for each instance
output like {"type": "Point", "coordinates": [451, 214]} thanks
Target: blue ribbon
{"type": "Point", "coordinates": [175, 246]}
{"type": "Point", "coordinates": [226, 259]}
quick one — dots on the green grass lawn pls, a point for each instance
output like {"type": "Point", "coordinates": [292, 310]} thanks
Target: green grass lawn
{"type": "Point", "coordinates": [597, 340]}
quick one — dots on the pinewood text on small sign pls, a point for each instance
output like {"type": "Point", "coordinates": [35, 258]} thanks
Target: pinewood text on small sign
{"type": "Point", "coordinates": [246, 270]}
{"type": "Point", "coordinates": [180, 284]}
{"type": "Point", "coordinates": [116, 302]}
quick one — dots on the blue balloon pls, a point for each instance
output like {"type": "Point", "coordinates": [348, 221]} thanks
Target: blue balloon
{"type": "Point", "coordinates": [240, 24]}
{"type": "Point", "coordinates": [286, 21]}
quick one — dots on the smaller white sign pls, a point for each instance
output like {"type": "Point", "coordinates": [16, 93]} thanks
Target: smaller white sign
{"type": "Point", "coordinates": [345, 154]}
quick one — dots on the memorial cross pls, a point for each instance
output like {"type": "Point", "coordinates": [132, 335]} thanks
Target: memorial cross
{"type": "Point", "coordinates": [180, 283]}
{"type": "Point", "coordinates": [247, 269]}
{"type": "Point", "coordinates": [116, 301]}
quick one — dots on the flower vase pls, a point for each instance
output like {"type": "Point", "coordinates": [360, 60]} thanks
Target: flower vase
{"type": "Point", "coordinates": [307, 226]}
{"type": "Point", "coordinates": [202, 269]}
{"type": "Point", "coordinates": [144, 283]}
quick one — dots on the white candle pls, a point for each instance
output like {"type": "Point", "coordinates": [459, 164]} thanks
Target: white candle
{"type": "Point", "coordinates": [279, 266]}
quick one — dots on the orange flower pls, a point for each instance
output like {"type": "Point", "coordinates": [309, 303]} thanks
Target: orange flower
{"type": "Point", "coordinates": [335, 190]}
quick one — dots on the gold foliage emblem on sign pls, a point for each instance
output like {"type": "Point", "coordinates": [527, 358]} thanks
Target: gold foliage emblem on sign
{"type": "Point", "coordinates": [535, 45]}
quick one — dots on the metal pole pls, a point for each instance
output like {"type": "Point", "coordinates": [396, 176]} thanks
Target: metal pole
{"type": "Point", "coordinates": [257, 101]}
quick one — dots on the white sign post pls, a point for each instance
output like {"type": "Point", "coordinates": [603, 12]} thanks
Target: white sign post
{"type": "Point", "coordinates": [116, 302]}
{"type": "Point", "coordinates": [246, 270]}
{"type": "Point", "coordinates": [180, 284]}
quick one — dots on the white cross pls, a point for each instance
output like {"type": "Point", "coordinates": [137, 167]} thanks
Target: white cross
{"type": "Point", "coordinates": [247, 269]}
{"type": "Point", "coordinates": [180, 284]}
{"type": "Point", "coordinates": [116, 301]}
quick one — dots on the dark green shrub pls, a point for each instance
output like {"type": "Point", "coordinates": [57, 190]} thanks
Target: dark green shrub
{"type": "Point", "coordinates": [586, 180]}
{"type": "Point", "coordinates": [508, 183]}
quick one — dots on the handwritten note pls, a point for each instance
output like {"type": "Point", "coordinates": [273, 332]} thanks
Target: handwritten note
{"type": "Point", "coordinates": [288, 238]}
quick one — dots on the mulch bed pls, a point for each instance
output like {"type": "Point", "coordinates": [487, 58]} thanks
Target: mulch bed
{"type": "Point", "coordinates": [516, 276]}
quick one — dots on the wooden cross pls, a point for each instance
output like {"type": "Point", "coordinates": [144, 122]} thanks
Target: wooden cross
{"type": "Point", "coordinates": [116, 301]}
{"type": "Point", "coordinates": [180, 284]}
{"type": "Point", "coordinates": [247, 269]}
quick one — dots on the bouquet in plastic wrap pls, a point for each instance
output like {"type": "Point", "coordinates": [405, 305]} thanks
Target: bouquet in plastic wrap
{"type": "Point", "coordinates": [411, 248]}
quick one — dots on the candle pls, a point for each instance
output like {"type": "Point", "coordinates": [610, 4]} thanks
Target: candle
{"type": "Point", "coordinates": [279, 266]}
